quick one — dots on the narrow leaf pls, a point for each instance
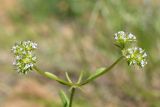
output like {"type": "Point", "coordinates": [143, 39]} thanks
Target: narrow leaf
{"type": "Point", "coordinates": [68, 78]}
{"type": "Point", "coordinates": [64, 98]}
{"type": "Point", "coordinates": [80, 77]}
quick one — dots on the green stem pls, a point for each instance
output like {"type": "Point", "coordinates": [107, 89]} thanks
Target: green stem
{"type": "Point", "coordinates": [52, 76]}
{"type": "Point", "coordinates": [91, 78]}
{"type": "Point", "coordinates": [71, 97]}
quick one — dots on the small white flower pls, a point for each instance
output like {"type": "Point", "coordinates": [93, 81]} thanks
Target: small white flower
{"type": "Point", "coordinates": [18, 57]}
{"type": "Point", "coordinates": [136, 48]}
{"type": "Point", "coordinates": [142, 63]}
{"type": "Point", "coordinates": [122, 33]}
{"type": "Point", "coordinates": [131, 36]}
{"type": "Point", "coordinates": [141, 50]}
{"type": "Point", "coordinates": [34, 45]}
{"type": "Point", "coordinates": [115, 37]}
{"type": "Point", "coordinates": [24, 57]}
{"type": "Point", "coordinates": [144, 55]}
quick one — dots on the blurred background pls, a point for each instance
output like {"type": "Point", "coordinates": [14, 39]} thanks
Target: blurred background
{"type": "Point", "coordinates": [75, 36]}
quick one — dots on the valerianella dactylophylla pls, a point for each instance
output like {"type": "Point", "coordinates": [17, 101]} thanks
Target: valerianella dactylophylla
{"type": "Point", "coordinates": [24, 57]}
{"type": "Point", "coordinates": [25, 61]}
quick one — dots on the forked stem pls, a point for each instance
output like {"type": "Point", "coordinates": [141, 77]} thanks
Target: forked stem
{"type": "Point", "coordinates": [91, 78]}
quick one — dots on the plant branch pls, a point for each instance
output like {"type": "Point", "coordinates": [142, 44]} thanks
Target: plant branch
{"type": "Point", "coordinates": [71, 97]}
{"type": "Point", "coordinates": [96, 75]}
{"type": "Point", "coordinates": [52, 76]}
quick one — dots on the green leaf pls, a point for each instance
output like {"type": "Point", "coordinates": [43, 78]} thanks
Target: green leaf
{"type": "Point", "coordinates": [64, 98]}
{"type": "Point", "coordinates": [96, 74]}
{"type": "Point", "coordinates": [50, 75]}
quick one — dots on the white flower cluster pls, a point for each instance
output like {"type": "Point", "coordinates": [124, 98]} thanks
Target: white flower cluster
{"type": "Point", "coordinates": [25, 59]}
{"type": "Point", "coordinates": [122, 38]}
{"type": "Point", "coordinates": [135, 56]}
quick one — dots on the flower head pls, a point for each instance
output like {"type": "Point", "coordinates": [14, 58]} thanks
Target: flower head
{"type": "Point", "coordinates": [135, 56]}
{"type": "Point", "coordinates": [122, 38]}
{"type": "Point", "coordinates": [24, 57]}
